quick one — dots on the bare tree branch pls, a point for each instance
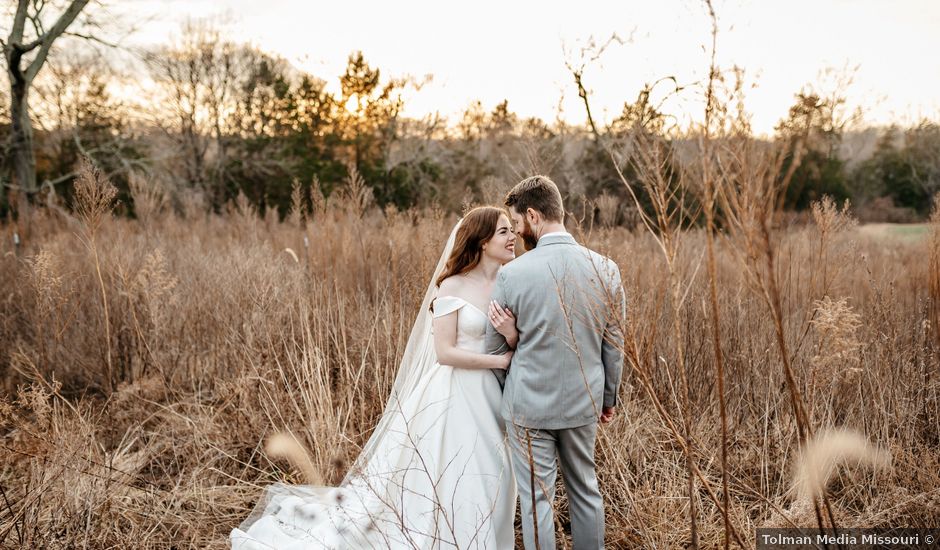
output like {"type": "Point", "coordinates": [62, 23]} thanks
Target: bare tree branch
{"type": "Point", "coordinates": [49, 37]}
{"type": "Point", "coordinates": [92, 38]}
{"type": "Point", "coordinates": [588, 54]}
{"type": "Point", "coordinates": [19, 22]}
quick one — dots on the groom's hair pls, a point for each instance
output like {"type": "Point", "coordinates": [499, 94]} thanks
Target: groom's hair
{"type": "Point", "coordinates": [538, 193]}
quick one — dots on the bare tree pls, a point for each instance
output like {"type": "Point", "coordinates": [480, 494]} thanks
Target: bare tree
{"type": "Point", "coordinates": [213, 92]}
{"type": "Point", "coordinates": [77, 116]}
{"type": "Point", "coordinates": [589, 54]}
{"type": "Point", "coordinates": [22, 71]}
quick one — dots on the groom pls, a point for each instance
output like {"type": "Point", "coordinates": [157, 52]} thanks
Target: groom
{"type": "Point", "coordinates": [564, 376]}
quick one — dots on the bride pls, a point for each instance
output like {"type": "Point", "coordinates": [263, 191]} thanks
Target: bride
{"type": "Point", "coordinates": [436, 472]}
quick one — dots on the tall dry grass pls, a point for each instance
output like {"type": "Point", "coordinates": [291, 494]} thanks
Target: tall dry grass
{"type": "Point", "coordinates": [222, 329]}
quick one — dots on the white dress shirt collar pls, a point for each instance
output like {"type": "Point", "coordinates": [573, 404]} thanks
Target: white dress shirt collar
{"type": "Point", "coordinates": [555, 234]}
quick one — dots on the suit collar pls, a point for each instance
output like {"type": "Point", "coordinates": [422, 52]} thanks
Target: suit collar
{"type": "Point", "coordinates": [556, 238]}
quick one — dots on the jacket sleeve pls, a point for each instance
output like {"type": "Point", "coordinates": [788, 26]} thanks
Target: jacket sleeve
{"type": "Point", "coordinates": [612, 347]}
{"type": "Point", "coordinates": [496, 342]}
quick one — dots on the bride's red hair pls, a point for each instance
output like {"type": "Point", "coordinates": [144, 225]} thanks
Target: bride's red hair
{"type": "Point", "coordinates": [478, 226]}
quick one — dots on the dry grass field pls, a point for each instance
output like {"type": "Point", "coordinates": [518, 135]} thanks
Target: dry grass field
{"type": "Point", "coordinates": [144, 362]}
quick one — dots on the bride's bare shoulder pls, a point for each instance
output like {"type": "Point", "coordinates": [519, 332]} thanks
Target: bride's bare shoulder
{"type": "Point", "coordinates": [451, 286]}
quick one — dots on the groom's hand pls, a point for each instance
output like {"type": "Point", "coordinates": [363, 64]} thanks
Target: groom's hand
{"type": "Point", "coordinates": [607, 414]}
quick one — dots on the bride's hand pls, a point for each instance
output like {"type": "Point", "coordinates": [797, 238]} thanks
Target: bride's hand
{"type": "Point", "coordinates": [506, 359]}
{"type": "Point", "coordinates": [503, 320]}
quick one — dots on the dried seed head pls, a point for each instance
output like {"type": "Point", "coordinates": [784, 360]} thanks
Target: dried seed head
{"type": "Point", "coordinates": [94, 195]}
{"type": "Point", "coordinates": [828, 449]}
{"type": "Point", "coordinates": [830, 218]}
{"type": "Point", "coordinates": [46, 281]}
{"type": "Point", "coordinates": [285, 445]}
{"type": "Point", "coordinates": [836, 324]}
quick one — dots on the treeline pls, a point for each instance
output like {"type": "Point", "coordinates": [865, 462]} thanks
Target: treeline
{"type": "Point", "coordinates": [894, 181]}
{"type": "Point", "coordinates": [219, 118]}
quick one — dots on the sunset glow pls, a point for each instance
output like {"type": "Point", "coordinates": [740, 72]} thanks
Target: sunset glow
{"type": "Point", "coordinates": [517, 51]}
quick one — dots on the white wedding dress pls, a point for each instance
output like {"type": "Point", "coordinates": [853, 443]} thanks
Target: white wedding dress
{"type": "Point", "coordinates": [435, 474]}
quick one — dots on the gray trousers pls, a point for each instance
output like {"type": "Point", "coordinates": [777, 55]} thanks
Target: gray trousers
{"type": "Point", "coordinates": [536, 455]}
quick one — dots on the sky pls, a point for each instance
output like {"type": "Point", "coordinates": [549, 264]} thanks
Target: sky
{"type": "Point", "coordinates": [493, 50]}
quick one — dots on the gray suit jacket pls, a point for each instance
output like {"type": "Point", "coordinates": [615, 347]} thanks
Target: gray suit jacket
{"type": "Point", "coordinates": [568, 303]}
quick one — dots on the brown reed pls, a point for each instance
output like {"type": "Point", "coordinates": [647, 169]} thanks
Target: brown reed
{"type": "Point", "coordinates": [221, 338]}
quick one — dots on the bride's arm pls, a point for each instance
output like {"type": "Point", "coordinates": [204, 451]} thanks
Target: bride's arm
{"type": "Point", "coordinates": [445, 344]}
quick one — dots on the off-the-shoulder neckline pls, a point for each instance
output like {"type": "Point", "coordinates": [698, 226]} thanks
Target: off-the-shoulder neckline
{"type": "Point", "coordinates": [464, 301]}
